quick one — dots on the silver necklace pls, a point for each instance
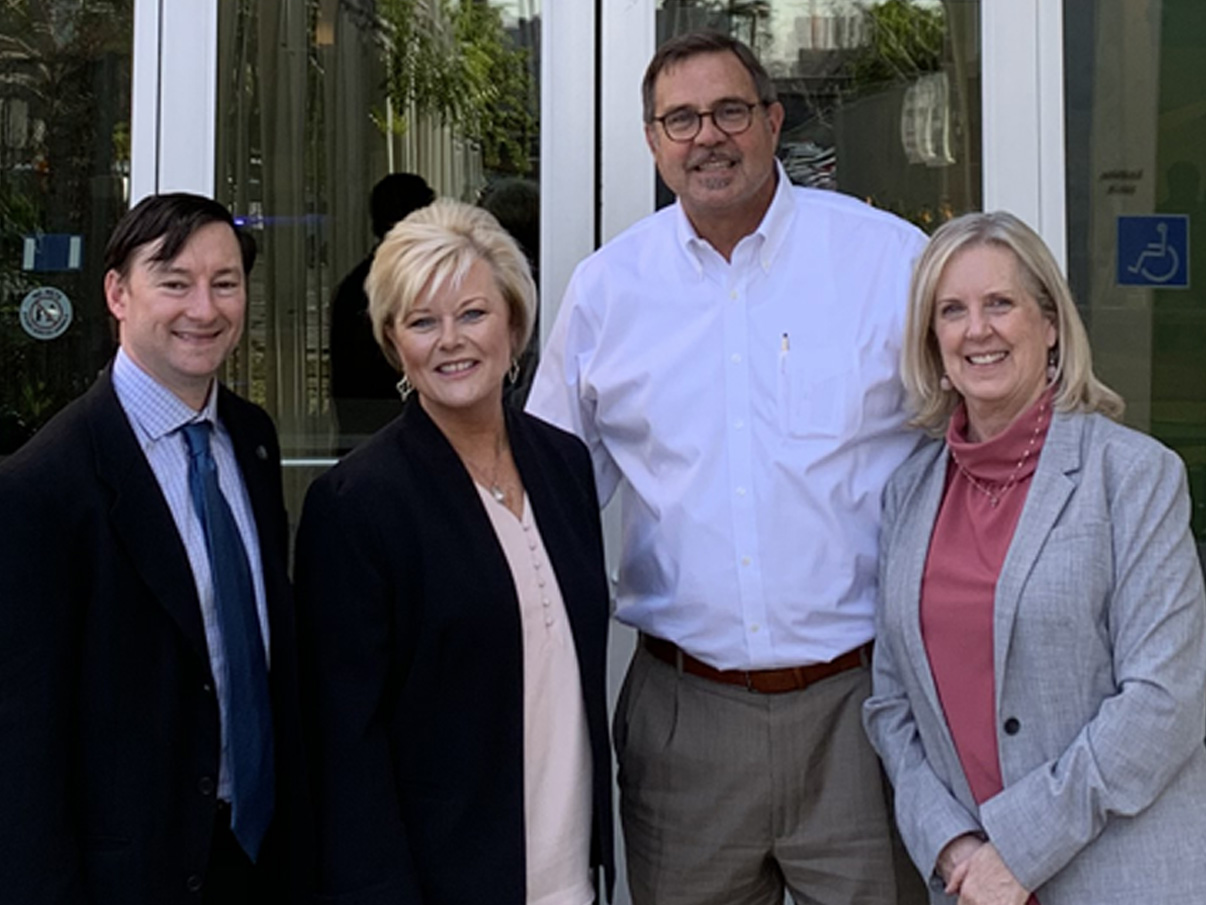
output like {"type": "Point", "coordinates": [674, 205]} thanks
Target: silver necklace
{"type": "Point", "coordinates": [995, 498]}
{"type": "Point", "coordinates": [492, 485]}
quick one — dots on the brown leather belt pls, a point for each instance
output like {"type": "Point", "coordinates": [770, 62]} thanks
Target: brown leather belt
{"type": "Point", "coordinates": [763, 681]}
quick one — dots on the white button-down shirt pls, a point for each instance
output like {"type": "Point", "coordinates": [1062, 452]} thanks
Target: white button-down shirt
{"type": "Point", "coordinates": [751, 413]}
{"type": "Point", "coordinates": [156, 415]}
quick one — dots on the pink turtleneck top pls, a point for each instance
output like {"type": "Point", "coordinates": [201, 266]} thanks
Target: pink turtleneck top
{"type": "Point", "coordinates": [986, 487]}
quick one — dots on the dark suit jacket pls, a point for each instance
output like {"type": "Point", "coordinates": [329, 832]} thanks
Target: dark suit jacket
{"type": "Point", "coordinates": [412, 663]}
{"type": "Point", "coordinates": [362, 380]}
{"type": "Point", "coordinates": [109, 727]}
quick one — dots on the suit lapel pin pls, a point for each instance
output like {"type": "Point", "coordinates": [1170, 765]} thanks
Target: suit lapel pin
{"type": "Point", "coordinates": [261, 453]}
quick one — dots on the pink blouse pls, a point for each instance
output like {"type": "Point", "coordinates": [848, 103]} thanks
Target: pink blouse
{"type": "Point", "coordinates": [986, 487]}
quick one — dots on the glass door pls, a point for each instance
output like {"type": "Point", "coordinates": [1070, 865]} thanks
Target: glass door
{"type": "Point", "coordinates": [883, 100]}
{"type": "Point", "coordinates": [65, 77]}
{"type": "Point", "coordinates": [316, 105]}
{"type": "Point", "coordinates": [1135, 92]}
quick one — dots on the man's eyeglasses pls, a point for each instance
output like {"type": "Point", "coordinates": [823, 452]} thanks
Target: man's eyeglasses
{"type": "Point", "coordinates": [730, 117]}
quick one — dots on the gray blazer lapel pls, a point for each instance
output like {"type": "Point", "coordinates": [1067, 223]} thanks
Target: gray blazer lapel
{"type": "Point", "coordinates": [916, 526]}
{"type": "Point", "coordinates": [1048, 494]}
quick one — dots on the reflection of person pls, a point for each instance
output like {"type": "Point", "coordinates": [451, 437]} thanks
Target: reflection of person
{"type": "Point", "coordinates": [147, 672]}
{"type": "Point", "coordinates": [450, 580]}
{"type": "Point", "coordinates": [362, 381]}
{"type": "Point", "coordinates": [731, 363]}
{"type": "Point", "coordinates": [1040, 674]}
{"type": "Point", "coordinates": [515, 203]}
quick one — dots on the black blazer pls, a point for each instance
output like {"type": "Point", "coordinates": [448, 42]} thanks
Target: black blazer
{"type": "Point", "coordinates": [109, 727]}
{"type": "Point", "coordinates": [412, 663]}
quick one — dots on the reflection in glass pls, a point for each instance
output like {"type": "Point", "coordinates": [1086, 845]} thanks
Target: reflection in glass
{"type": "Point", "coordinates": [64, 162]}
{"type": "Point", "coordinates": [1135, 91]}
{"type": "Point", "coordinates": [882, 99]}
{"type": "Point", "coordinates": [317, 102]}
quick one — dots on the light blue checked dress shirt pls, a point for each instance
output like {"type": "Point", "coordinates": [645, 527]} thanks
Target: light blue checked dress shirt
{"type": "Point", "coordinates": [156, 415]}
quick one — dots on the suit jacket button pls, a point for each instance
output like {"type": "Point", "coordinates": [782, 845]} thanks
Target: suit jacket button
{"type": "Point", "coordinates": [1012, 726]}
{"type": "Point", "coordinates": [205, 785]}
{"type": "Point", "coordinates": [193, 883]}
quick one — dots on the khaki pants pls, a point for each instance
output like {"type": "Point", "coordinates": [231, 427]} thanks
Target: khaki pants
{"type": "Point", "coordinates": [732, 797]}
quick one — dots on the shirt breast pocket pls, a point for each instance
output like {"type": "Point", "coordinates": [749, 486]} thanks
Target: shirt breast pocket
{"type": "Point", "coordinates": [818, 393]}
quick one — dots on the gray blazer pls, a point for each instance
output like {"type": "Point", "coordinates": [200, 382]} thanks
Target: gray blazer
{"type": "Point", "coordinates": [1099, 654]}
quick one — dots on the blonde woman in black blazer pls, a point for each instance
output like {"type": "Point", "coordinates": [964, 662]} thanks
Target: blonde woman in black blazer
{"type": "Point", "coordinates": [413, 642]}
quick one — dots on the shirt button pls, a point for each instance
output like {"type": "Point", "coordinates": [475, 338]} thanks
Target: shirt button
{"type": "Point", "coordinates": [745, 560]}
{"type": "Point", "coordinates": [193, 883]}
{"type": "Point", "coordinates": [740, 491]}
{"type": "Point", "coordinates": [735, 358]}
{"type": "Point", "coordinates": [755, 627]}
{"type": "Point", "coordinates": [733, 294]}
{"type": "Point", "coordinates": [1012, 726]}
{"type": "Point", "coordinates": [739, 424]}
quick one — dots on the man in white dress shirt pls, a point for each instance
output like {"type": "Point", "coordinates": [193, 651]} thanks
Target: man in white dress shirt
{"type": "Point", "coordinates": [731, 361]}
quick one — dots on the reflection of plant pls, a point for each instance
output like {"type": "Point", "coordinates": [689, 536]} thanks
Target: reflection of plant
{"type": "Point", "coordinates": [904, 41]}
{"type": "Point", "coordinates": [453, 60]}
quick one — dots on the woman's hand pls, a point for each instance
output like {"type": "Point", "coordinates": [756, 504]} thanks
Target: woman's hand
{"type": "Point", "coordinates": [955, 853]}
{"type": "Point", "coordinates": [983, 879]}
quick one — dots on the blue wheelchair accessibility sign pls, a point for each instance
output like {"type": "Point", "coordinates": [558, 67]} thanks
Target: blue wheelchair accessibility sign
{"type": "Point", "coordinates": [1154, 251]}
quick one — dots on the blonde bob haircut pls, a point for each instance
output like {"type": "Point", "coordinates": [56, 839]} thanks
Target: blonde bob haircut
{"type": "Point", "coordinates": [434, 247]}
{"type": "Point", "coordinates": [1077, 388]}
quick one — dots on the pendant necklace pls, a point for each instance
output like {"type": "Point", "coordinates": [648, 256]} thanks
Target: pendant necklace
{"type": "Point", "coordinates": [995, 498]}
{"type": "Point", "coordinates": [495, 489]}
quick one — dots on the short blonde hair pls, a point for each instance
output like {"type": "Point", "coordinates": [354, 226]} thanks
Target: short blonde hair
{"type": "Point", "coordinates": [435, 246]}
{"type": "Point", "coordinates": [1078, 389]}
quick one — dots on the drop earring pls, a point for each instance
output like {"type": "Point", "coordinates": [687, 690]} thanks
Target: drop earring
{"type": "Point", "coordinates": [403, 386]}
{"type": "Point", "coordinates": [945, 384]}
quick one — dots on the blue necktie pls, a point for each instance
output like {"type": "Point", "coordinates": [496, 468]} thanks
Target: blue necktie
{"type": "Point", "coordinates": [248, 710]}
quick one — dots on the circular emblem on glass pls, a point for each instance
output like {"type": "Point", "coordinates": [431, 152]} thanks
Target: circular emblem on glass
{"type": "Point", "coordinates": [46, 313]}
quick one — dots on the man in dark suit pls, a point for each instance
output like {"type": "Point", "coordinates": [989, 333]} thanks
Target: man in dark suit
{"type": "Point", "coordinates": [149, 749]}
{"type": "Point", "coordinates": [363, 389]}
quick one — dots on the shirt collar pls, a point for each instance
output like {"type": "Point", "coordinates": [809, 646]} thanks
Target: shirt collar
{"type": "Point", "coordinates": [157, 409]}
{"type": "Point", "coordinates": [769, 235]}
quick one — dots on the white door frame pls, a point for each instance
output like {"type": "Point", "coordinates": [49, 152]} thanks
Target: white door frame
{"type": "Point", "coordinates": [173, 120]}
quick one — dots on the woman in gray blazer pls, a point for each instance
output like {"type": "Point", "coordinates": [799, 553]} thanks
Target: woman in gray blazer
{"type": "Point", "coordinates": [1040, 669]}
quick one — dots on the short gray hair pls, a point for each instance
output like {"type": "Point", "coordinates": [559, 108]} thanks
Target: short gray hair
{"type": "Point", "coordinates": [693, 44]}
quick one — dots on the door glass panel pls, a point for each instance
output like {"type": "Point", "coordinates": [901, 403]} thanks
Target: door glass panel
{"type": "Point", "coordinates": [319, 101]}
{"type": "Point", "coordinates": [882, 100]}
{"type": "Point", "coordinates": [1135, 73]}
{"type": "Point", "coordinates": [64, 166]}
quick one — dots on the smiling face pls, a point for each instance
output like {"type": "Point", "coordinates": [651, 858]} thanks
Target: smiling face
{"type": "Point", "coordinates": [455, 347]}
{"type": "Point", "coordinates": [993, 337]}
{"type": "Point", "coordinates": [179, 319]}
{"type": "Point", "coordinates": [720, 180]}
